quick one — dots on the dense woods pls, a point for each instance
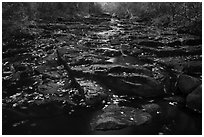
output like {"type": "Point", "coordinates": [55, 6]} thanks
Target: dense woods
{"type": "Point", "coordinates": [17, 15]}
{"type": "Point", "coordinates": [102, 68]}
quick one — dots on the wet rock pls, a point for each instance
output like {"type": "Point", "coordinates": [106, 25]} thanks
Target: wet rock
{"type": "Point", "coordinates": [51, 60]}
{"type": "Point", "coordinates": [94, 92]}
{"type": "Point", "coordinates": [193, 67]}
{"type": "Point", "coordinates": [169, 83]}
{"type": "Point", "coordinates": [194, 99]}
{"type": "Point", "coordinates": [177, 99]}
{"type": "Point", "coordinates": [63, 50]}
{"type": "Point", "coordinates": [52, 75]}
{"type": "Point", "coordinates": [151, 43]}
{"type": "Point", "coordinates": [108, 52]}
{"type": "Point", "coordinates": [120, 69]}
{"type": "Point", "coordinates": [49, 88]}
{"type": "Point", "coordinates": [130, 69]}
{"type": "Point", "coordinates": [193, 42]}
{"type": "Point", "coordinates": [41, 69]}
{"type": "Point", "coordinates": [115, 117]}
{"type": "Point", "coordinates": [152, 108]}
{"type": "Point", "coordinates": [135, 51]}
{"type": "Point", "coordinates": [139, 85]}
{"type": "Point", "coordinates": [174, 43]}
{"type": "Point", "coordinates": [175, 63]}
{"type": "Point", "coordinates": [170, 51]}
{"type": "Point", "coordinates": [48, 109]}
{"type": "Point", "coordinates": [193, 28]}
{"type": "Point", "coordinates": [187, 83]}
{"type": "Point", "coordinates": [125, 60]}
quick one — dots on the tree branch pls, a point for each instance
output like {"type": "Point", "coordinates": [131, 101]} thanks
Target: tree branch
{"type": "Point", "coordinates": [74, 83]}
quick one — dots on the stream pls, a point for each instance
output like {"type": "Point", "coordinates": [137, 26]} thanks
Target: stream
{"type": "Point", "coordinates": [133, 75]}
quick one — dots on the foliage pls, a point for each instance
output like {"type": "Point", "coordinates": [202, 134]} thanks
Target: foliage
{"type": "Point", "coordinates": [17, 15]}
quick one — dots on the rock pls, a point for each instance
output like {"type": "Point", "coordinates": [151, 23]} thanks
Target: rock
{"type": "Point", "coordinates": [139, 85]}
{"type": "Point", "coordinates": [51, 60]}
{"type": "Point", "coordinates": [108, 52]}
{"type": "Point", "coordinates": [193, 67]}
{"type": "Point", "coordinates": [49, 88]}
{"type": "Point", "coordinates": [187, 83]}
{"type": "Point", "coordinates": [94, 92]}
{"type": "Point", "coordinates": [130, 69]}
{"type": "Point", "coordinates": [150, 43]}
{"type": "Point", "coordinates": [174, 43]}
{"type": "Point", "coordinates": [176, 99]}
{"type": "Point", "coordinates": [119, 69]}
{"type": "Point", "coordinates": [13, 115]}
{"type": "Point", "coordinates": [115, 117]}
{"type": "Point", "coordinates": [193, 41]}
{"type": "Point", "coordinates": [152, 108]}
{"type": "Point", "coordinates": [125, 60]}
{"type": "Point", "coordinates": [63, 50]}
{"type": "Point", "coordinates": [52, 75]}
{"type": "Point", "coordinates": [194, 99]}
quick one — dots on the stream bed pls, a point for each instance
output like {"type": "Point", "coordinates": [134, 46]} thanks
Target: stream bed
{"type": "Point", "coordinates": [136, 79]}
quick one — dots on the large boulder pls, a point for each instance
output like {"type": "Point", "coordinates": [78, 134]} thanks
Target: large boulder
{"type": "Point", "coordinates": [115, 117]}
{"type": "Point", "coordinates": [136, 85]}
{"type": "Point", "coordinates": [187, 84]}
{"type": "Point", "coordinates": [194, 99]}
{"type": "Point", "coordinates": [120, 69]}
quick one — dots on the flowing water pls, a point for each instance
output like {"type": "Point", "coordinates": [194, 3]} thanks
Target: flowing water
{"type": "Point", "coordinates": [36, 99]}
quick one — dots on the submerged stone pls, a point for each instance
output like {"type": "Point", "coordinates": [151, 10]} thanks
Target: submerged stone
{"type": "Point", "coordinates": [177, 99]}
{"type": "Point", "coordinates": [119, 69]}
{"type": "Point", "coordinates": [125, 60]}
{"type": "Point", "coordinates": [152, 108]}
{"type": "Point", "coordinates": [49, 88]}
{"type": "Point", "coordinates": [139, 85]}
{"type": "Point", "coordinates": [187, 83]}
{"type": "Point", "coordinates": [194, 99]}
{"type": "Point", "coordinates": [94, 92]}
{"type": "Point", "coordinates": [115, 117]}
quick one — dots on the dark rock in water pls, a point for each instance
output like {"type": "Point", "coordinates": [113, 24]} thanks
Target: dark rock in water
{"type": "Point", "coordinates": [139, 85]}
{"type": "Point", "coordinates": [151, 43]}
{"type": "Point", "coordinates": [193, 41]}
{"type": "Point", "coordinates": [193, 28]}
{"type": "Point", "coordinates": [194, 99]}
{"type": "Point", "coordinates": [33, 111]}
{"type": "Point", "coordinates": [114, 68]}
{"type": "Point", "coordinates": [13, 114]}
{"type": "Point", "coordinates": [51, 60]}
{"type": "Point", "coordinates": [63, 50]}
{"type": "Point", "coordinates": [177, 99]}
{"type": "Point", "coordinates": [115, 117]}
{"type": "Point", "coordinates": [187, 83]}
{"type": "Point", "coordinates": [193, 67]}
{"type": "Point", "coordinates": [48, 109]}
{"type": "Point", "coordinates": [108, 51]}
{"type": "Point", "coordinates": [60, 19]}
{"type": "Point", "coordinates": [130, 69]}
{"type": "Point", "coordinates": [153, 108]}
{"type": "Point", "coordinates": [169, 83]}
{"type": "Point", "coordinates": [125, 60]}
{"type": "Point", "coordinates": [174, 43]}
{"type": "Point", "coordinates": [94, 92]}
{"type": "Point", "coordinates": [49, 88]}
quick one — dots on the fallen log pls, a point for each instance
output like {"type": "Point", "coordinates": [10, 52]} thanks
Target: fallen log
{"type": "Point", "coordinates": [74, 83]}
